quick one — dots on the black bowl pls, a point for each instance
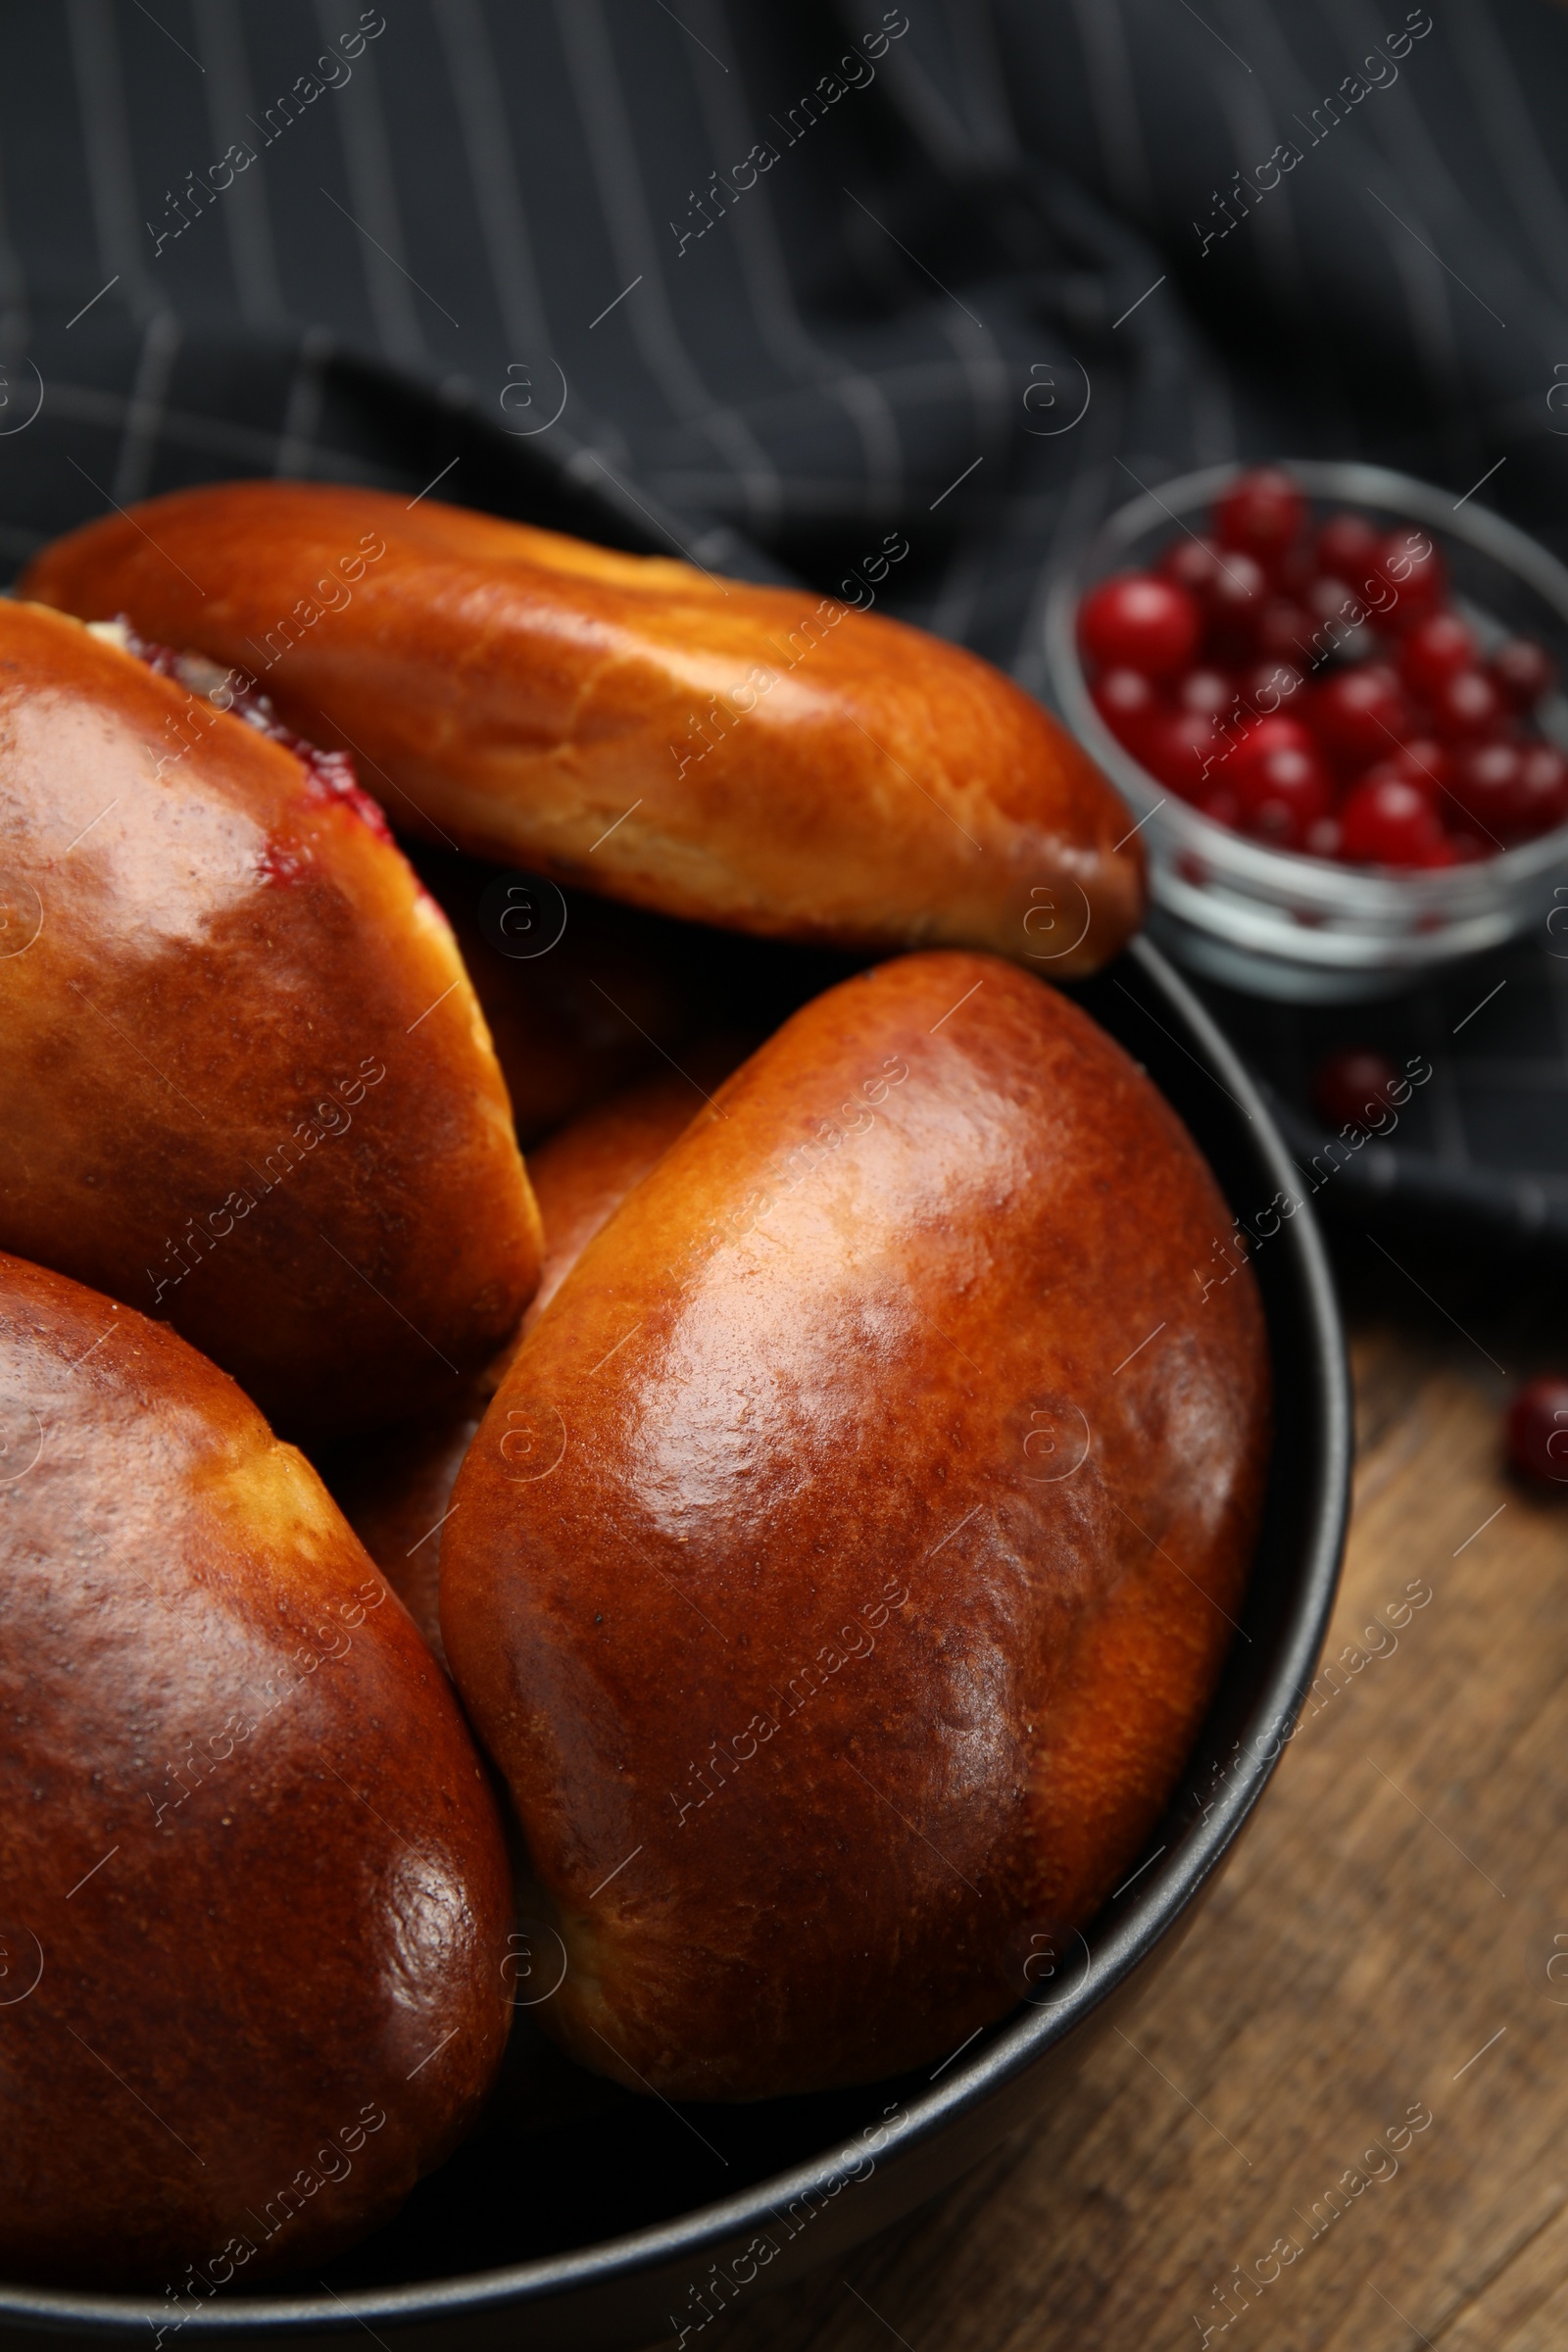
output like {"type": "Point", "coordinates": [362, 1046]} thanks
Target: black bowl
{"type": "Point", "coordinates": [626, 2220]}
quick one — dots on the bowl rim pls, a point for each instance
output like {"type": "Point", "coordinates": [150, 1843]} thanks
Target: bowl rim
{"type": "Point", "coordinates": [1018, 2042]}
{"type": "Point", "coordinates": [1465, 895]}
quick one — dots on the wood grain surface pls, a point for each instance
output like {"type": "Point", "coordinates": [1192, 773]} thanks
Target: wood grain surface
{"type": "Point", "coordinates": [1380, 1944]}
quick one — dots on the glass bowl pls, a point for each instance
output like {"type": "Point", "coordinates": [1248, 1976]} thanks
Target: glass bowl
{"type": "Point", "coordinates": [1307, 929]}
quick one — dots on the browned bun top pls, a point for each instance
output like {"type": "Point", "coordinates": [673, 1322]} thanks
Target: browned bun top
{"type": "Point", "coordinates": [842, 1569]}
{"type": "Point", "coordinates": [244, 1081]}
{"type": "Point", "coordinates": [583, 1172]}
{"type": "Point", "coordinates": [253, 1890]}
{"type": "Point", "coordinates": [762, 758]}
{"type": "Point", "coordinates": [394, 1484]}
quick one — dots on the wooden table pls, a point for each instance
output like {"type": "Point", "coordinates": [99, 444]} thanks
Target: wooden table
{"type": "Point", "coordinates": [1381, 1943]}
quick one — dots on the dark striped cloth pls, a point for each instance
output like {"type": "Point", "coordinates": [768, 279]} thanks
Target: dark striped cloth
{"type": "Point", "coordinates": [762, 283]}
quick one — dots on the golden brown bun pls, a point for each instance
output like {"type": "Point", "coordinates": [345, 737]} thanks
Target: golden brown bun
{"type": "Point", "coordinates": [582, 1174]}
{"type": "Point", "coordinates": [244, 1082]}
{"type": "Point", "coordinates": [823, 1660]}
{"type": "Point", "coordinates": [767, 759]}
{"type": "Point", "coordinates": [394, 1486]}
{"type": "Point", "coordinates": [253, 1886]}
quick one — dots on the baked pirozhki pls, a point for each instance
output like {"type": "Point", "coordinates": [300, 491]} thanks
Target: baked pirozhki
{"type": "Point", "coordinates": [245, 1085]}
{"type": "Point", "coordinates": [253, 1885]}
{"type": "Point", "coordinates": [583, 1173]}
{"type": "Point", "coordinates": [581, 997]}
{"type": "Point", "coordinates": [842, 1569]}
{"type": "Point", "coordinates": [394, 1486]}
{"type": "Point", "coordinates": [760, 758]}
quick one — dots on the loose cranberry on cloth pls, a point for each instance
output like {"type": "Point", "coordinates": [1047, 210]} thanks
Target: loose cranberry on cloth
{"type": "Point", "coordinates": [1352, 1089]}
{"type": "Point", "coordinates": [1537, 1429]}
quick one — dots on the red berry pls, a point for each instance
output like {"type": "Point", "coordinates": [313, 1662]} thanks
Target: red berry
{"type": "Point", "coordinates": [1441, 852]}
{"type": "Point", "coordinates": [1325, 838]}
{"type": "Point", "coordinates": [1138, 621]}
{"type": "Point", "coordinates": [1388, 823]}
{"type": "Point", "coordinates": [1262, 514]}
{"type": "Point", "coordinates": [1269, 686]}
{"type": "Point", "coordinates": [1540, 795]}
{"type": "Point", "coordinates": [1129, 705]}
{"type": "Point", "coordinates": [1178, 749]}
{"type": "Point", "coordinates": [1285, 632]}
{"type": "Point", "coordinates": [1282, 793]}
{"type": "Point", "coordinates": [1466, 706]}
{"type": "Point", "coordinates": [1207, 690]}
{"type": "Point", "coordinates": [1436, 649]}
{"type": "Point", "coordinates": [1341, 620]}
{"type": "Point", "coordinates": [1349, 548]}
{"type": "Point", "coordinates": [1468, 847]}
{"type": "Point", "coordinates": [1191, 562]}
{"type": "Point", "coordinates": [1486, 785]}
{"type": "Point", "coordinates": [1537, 1429]}
{"type": "Point", "coordinates": [1236, 597]}
{"type": "Point", "coordinates": [1422, 760]}
{"type": "Point", "coordinates": [1352, 1089]}
{"type": "Point", "coordinates": [1409, 562]}
{"type": "Point", "coordinates": [1525, 671]}
{"type": "Point", "coordinates": [1361, 713]}
{"type": "Point", "coordinates": [1330, 598]}
{"type": "Point", "coordinates": [1276, 733]}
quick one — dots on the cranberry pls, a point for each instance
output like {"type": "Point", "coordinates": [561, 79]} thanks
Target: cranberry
{"type": "Point", "coordinates": [1341, 617]}
{"type": "Point", "coordinates": [1486, 785]}
{"type": "Point", "coordinates": [1436, 649]}
{"type": "Point", "coordinates": [1468, 847]}
{"type": "Point", "coordinates": [1466, 706]}
{"type": "Point", "coordinates": [1137, 621]}
{"type": "Point", "coordinates": [1179, 748]}
{"type": "Point", "coordinates": [1128, 704]}
{"type": "Point", "coordinates": [1388, 823]}
{"type": "Point", "coordinates": [1282, 793]}
{"type": "Point", "coordinates": [1275, 733]}
{"type": "Point", "coordinates": [1540, 795]}
{"type": "Point", "coordinates": [1352, 1089]}
{"type": "Point", "coordinates": [1268, 686]}
{"type": "Point", "coordinates": [1285, 632]}
{"type": "Point", "coordinates": [1325, 838]}
{"type": "Point", "coordinates": [1349, 548]}
{"type": "Point", "coordinates": [1194, 564]}
{"type": "Point", "coordinates": [1236, 597]}
{"type": "Point", "coordinates": [1296, 569]}
{"type": "Point", "coordinates": [1440, 851]}
{"type": "Point", "coordinates": [1210, 691]}
{"type": "Point", "coordinates": [1330, 598]}
{"type": "Point", "coordinates": [1421, 760]}
{"type": "Point", "coordinates": [1525, 671]}
{"type": "Point", "coordinates": [1537, 1429]}
{"type": "Point", "coordinates": [1361, 713]}
{"type": "Point", "coordinates": [1409, 562]}
{"type": "Point", "coordinates": [1262, 514]}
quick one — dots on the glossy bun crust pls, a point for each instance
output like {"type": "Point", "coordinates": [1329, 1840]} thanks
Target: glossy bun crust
{"type": "Point", "coordinates": [768, 759]}
{"type": "Point", "coordinates": [252, 1889]}
{"type": "Point", "coordinates": [842, 1568]}
{"type": "Point", "coordinates": [244, 1081]}
{"type": "Point", "coordinates": [394, 1486]}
